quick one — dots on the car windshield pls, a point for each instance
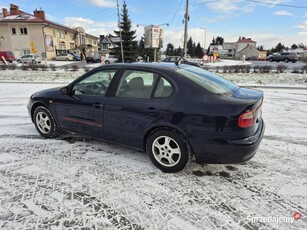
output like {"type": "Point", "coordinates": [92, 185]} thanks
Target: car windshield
{"type": "Point", "coordinates": [207, 80]}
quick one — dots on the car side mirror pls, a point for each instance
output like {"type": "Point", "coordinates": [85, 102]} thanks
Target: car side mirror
{"type": "Point", "coordinates": [64, 90]}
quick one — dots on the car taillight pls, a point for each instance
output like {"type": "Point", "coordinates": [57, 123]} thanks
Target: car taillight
{"type": "Point", "coordinates": [246, 119]}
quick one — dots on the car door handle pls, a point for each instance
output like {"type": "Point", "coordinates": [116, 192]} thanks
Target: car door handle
{"type": "Point", "coordinates": [97, 105]}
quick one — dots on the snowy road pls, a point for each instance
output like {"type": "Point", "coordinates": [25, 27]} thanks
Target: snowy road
{"type": "Point", "coordinates": [70, 182]}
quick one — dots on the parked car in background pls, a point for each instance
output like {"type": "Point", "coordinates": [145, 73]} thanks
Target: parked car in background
{"type": "Point", "coordinates": [109, 60]}
{"type": "Point", "coordinates": [95, 58]}
{"type": "Point", "coordinates": [7, 55]}
{"type": "Point", "coordinates": [284, 56]}
{"type": "Point", "coordinates": [63, 57]}
{"type": "Point", "coordinates": [174, 59]}
{"type": "Point", "coordinates": [76, 57]}
{"type": "Point", "coordinates": [29, 58]}
{"type": "Point", "coordinates": [169, 111]}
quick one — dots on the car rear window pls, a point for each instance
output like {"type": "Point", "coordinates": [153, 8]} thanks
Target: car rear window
{"type": "Point", "coordinates": [207, 80]}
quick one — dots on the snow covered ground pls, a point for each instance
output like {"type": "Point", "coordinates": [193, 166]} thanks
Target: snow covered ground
{"type": "Point", "coordinates": [73, 183]}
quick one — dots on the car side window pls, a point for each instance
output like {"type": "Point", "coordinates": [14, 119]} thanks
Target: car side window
{"type": "Point", "coordinates": [136, 84]}
{"type": "Point", "coordinates": [163, 88]}
{"type": "Point", "coordinates": [95, 84]}
{"type": "Point", "coordinates": [140, 84]}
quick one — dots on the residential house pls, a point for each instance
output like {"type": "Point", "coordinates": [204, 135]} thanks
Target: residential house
{"type": "Point", "coordinates": [236, 50]}
{"type": "Point", "coordinates": [107, 43]}
{"type": "Point", "coordinates": [24, 33]}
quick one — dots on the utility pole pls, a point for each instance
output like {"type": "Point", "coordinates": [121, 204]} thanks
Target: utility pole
{"type": "Point", "coordinates": [186, 20]}
{"type": "Point", "coordinates": [120, 34]}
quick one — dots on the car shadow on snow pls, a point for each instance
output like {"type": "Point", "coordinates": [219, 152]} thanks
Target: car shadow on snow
{"type": "Point", "coordinates": [200, 170]}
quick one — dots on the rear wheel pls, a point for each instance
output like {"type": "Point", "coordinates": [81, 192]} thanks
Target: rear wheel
{"type": "Point", "coordinates": [286, 60]}
{"type": "Point", "coordinates": [44, 122]}
{"type": "Point", "coordinates": [107, 62]}
{"type": "Point", "coordinates": [167, 150]}
{"type": "Point", "coordinates": [53, 59]}
{"type": "Point", "coordinates": [271, 59]}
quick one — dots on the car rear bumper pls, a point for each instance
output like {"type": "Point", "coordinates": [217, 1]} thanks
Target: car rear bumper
{"type": "Point", "coordinates": [229, 152]}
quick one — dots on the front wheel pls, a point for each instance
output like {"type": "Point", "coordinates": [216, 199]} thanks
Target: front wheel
{"type": "Point", "coordinates": [286, 60]}
{"type": "Point", "coordinates": [44, 122]}
{"type": "Point", "coordinates": [168, 151]}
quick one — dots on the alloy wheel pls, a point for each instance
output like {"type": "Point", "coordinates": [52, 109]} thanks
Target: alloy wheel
{"type": "Point", "coordinates": [166, 151]}
{"type": "Point", "coordinates": [43, 122]}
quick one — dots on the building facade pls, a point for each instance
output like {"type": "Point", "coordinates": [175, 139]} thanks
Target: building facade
{"type": "Point", "coordinates": [24, 33]}
{"type": "Point", "coordinates": [244, 47]}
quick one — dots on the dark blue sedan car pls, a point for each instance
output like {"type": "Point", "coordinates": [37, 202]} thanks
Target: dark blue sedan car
{"type": "Point", "coordinates": [172, 112]}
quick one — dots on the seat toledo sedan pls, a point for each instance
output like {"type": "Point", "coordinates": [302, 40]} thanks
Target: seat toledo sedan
{"type": "Point", "coordinates": [171, 112]}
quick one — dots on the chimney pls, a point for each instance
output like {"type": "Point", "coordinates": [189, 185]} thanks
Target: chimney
{"type": "Point", "coordinates": [14, 9]}
{"type": "Point", "coordinates": [4, 12]}
{"type": "Point", "coordinates": [40, 14]}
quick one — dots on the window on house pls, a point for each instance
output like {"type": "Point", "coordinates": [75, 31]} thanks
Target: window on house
{"type": "Point", "coordinates": [13, 30]}
{"type": "Point", "coordinates": [23, 31]}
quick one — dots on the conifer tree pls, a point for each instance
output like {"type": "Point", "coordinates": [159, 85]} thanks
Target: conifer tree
{"type": "Point", "coordinates": [128, 36]}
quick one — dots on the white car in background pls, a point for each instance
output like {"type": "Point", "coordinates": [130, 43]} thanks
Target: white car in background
{"type": "Point", "coordinates": [29, 58]}
{"type": "Point", "coordinates": [63, 57]}
{"type": "Point", "coordinates": [109, 59]}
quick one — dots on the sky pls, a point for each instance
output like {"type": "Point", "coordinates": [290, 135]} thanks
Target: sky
{"type": "Point", "coordinates": [276, 21]}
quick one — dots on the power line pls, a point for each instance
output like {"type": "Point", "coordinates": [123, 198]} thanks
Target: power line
{"type": "Point", "coordinates": [99, 12]}
{"type": "Point", "coordinates": [277, 4]}
{"type": "Point", "coordinates": [176, 12]}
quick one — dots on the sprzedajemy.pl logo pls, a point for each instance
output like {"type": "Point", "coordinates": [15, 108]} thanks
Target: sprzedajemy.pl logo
{"type": "Point", "coordinates": [274, 219]}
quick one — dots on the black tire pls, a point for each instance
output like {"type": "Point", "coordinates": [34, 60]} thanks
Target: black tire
{"type": "Point", "coordinates": [271, 59]}
{"type": "Point", "coordinates": [19, 61]}
{"type": "Point", "coordinates": [286, 60]}
{"type": "Point", "coordinates": [167, 150]}
{"type": "Point", "coordinates": [107, 62]}
{"type": "Point", "coordinates": [66, 59]}
{"type": "Point", "coordinates": [44, 122]}
{"type": "Point", "coordinates": [54, 59]}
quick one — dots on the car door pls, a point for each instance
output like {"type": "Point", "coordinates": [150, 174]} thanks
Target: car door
{"type": "Point", "coordinates": [28, 58]}
{"type": "Point", "coordinates": [137, 104]}
{"type": "Point", "coordinates": [24, 58]}
{"type": "Point", "coordinates": [81, 110]}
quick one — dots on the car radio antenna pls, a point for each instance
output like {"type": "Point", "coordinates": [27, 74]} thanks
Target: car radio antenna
{"type": "Point", "coordinates": [178, 61]}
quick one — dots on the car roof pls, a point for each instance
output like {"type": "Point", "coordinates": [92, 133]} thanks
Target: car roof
{"type": "Point", "coordinates": [150, 65]}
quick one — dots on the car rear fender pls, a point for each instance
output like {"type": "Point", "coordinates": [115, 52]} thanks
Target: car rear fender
{"type": "Point", "coordinates": [153, 129]}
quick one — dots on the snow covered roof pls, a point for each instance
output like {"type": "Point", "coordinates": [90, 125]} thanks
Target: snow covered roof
{"type": "Point", "coordinates": [22, 17]}
{"type": "Point", "coordinates": [246, 47]}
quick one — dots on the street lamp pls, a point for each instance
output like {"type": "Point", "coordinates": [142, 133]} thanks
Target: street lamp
{"type": "Point", "coordinates": [205, 37]}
